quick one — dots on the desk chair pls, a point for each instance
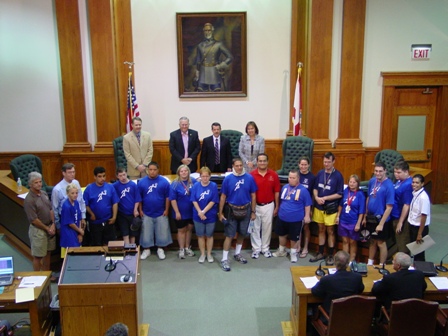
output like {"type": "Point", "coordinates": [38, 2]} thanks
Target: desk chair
{"type": "Point", "coordinates": [234, 138]}
{"type": "Point", "coordinates": [442, 322]}
{"type": "Point", "coordinates": [120, 159]}
{"type": "Point", "coordinates": [22, 165]}
{"type": "Point", "coordinates": [293, 148]}
{"type": "Point", "coordinates": [351, 315]}
{"type": "Point", "coordinates": [414, 317]}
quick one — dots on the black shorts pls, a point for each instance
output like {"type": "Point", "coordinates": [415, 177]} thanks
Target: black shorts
{"type": "Point", "coordinates": [180, 224]}
{"type": "Point", "coordinates": [124, 223]}
{"type": "Point", "coordinates": [292, 229]}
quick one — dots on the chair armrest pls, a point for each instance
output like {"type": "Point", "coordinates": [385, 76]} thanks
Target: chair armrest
{"type": "Point", "coordinates": [321, 311]}
{"type": "Point", "coordinates": [384, 312]}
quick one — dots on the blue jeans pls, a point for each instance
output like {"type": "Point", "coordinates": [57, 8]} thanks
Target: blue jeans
{"type": "Point", "coordinates": [157, 228]}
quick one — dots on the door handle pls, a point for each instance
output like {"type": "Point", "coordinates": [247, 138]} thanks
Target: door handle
{"type": "Point", "coordinates": [428, 153]}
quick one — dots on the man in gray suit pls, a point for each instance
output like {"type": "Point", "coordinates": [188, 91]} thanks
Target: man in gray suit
{"type": "Point", "coordinates": [137, 147]}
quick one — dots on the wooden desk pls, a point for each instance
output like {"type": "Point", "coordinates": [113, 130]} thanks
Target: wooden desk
{"type": "Point", "coordinates": [39, 308]}
{"type": "Point", "coordinates": [301, 296]}
{"type": "Point", "coordinates": [92, 299]}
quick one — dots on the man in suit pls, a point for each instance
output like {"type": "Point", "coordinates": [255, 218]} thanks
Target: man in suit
{"type": "Point", "coordinates": [184, 146]}
{"type": "Point", "coordinates": [137, 147]}
{"type": "Point", "coordinates": [403, 284]}
{"type": "Point", "coordinates": [213, 145]}
{"type": "Point", "coordinates": [340, 284]}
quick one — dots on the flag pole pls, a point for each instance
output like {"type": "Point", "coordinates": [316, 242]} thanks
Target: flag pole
{"type": "Point", "coordinates": [297, 117]}
{"type": "Point", "coordinates": [130, 107]}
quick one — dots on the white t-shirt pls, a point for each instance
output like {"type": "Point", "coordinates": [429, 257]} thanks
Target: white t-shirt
{"type": "Point", "coordinates": [420, 204]}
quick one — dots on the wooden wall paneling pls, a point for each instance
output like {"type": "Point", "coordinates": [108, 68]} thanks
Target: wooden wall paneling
{"type": "Point", "coordinates": [353, 27]}
{"type": "Point", "coordinates": [319, 72]}
{"type": "Point", "coordinates": [102, 39]}
{"type": "Point", "coordinates": [299, 53]}
{"type": "Point", "coordinates": [69, 41]}
{"type": "Point", "coordinates": [124, 52]}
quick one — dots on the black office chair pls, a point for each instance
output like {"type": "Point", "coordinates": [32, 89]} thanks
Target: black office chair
{"type": "Point", "coordinates": [22, 165]}
{"type": "Point", "coordinates": [120, 159]}
{"type": "Point", "coordinates": [293, 149]}
{"type": "Point", "coordinates": [234, 138]}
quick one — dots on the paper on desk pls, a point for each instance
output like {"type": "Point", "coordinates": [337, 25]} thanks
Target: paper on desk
{"type": "Point", "coordinates": [440, 282]}
{"type": "Point", "coordinates": [22, 196]}
{"type": "Point", "coordinates": [418, 248]}
{"type": "Point", "coordinates": [332, 270]}
{"type": "Point", "coordinates": [24, 294]}
{"type": "Point", "coordinates": [32, 281]}
{"type": "Point", "coordinates": [309, 282]}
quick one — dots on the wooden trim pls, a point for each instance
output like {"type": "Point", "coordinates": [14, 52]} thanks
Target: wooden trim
{"type": "Point", "coordinates": [354, 14]}
{"type": "Point", "coordinates": [430, 78]}
{"type": "Point", "coordinates": [69, 41]}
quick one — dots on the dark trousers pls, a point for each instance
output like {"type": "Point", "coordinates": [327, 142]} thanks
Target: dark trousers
{"type": "Point", "coordinates": [413, 232]}
{"type": "Point", "coordinates": [101, 234]}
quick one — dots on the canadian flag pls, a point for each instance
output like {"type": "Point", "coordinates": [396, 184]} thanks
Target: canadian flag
{"type": "Point", "coordinates": [297, 118]}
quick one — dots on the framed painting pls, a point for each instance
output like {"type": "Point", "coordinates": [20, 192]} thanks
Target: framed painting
{"type": "Point", "coordinates": [211, 52]}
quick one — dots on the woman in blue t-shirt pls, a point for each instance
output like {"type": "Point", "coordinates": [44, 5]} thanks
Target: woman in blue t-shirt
{"type": "Point", "coordinates": [352, 208]}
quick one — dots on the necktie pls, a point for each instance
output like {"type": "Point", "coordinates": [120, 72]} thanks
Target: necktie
{"type": "Point", "coordinates": [216, 152]}
{"type": "Point", "coordinates": [138, 138]}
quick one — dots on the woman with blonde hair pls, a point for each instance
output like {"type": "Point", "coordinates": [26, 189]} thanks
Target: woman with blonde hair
{"type": "Point", "coordinates": [71, 232]}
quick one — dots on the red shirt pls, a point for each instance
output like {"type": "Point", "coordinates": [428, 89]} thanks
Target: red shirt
{"type": "Point", "coordinates": [267, 185]}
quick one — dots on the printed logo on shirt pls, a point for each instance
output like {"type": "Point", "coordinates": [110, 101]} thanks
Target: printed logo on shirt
{"type": "Point", "coordinates": [101, 194]}
{"type": "Point", "coordinates": [151, 187]}
{"type": "Point", "coordinates": [322, 186]}
{"type": "Point", "coordinates": [124, 191]}
{"type": "Point", "coordinates": [237, 184]}
{"type": "Point", "coordinates": [76, 216]}
{"type": "Point", "coordinates": [202, 196]}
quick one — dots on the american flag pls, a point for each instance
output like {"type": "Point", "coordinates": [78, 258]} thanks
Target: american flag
{"type": "Point", "coordinates": [132, 107]}
{"type": "Point", "coordinates": [297, 119]}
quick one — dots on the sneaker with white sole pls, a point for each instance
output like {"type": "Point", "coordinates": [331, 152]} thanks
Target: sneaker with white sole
{"type": "Point", "coordinates": [189, 252]}
{"type": "Point", "coordinates": [255, 255]}
{"type": "Point", "coordinates": [279, 253]}
{"type": "Point", "coordinates": [201, 259]}
{"type": "Point", "coordinates": [145, 254]}
{"type": "Point", "coordinates": [267, 254]}
{"type": "Point", "coordinates": [161, 253]}
{"type": "Point", "coordinates": [240, 259]}
{"type": "Point", "coordinates": [210, 258]}
{"type": "Point", "coordinates": [293, 257]}
{"type": "Point", "coordinates": [225, 266]}
{"type": "Point", "coordinates": [181, 254]}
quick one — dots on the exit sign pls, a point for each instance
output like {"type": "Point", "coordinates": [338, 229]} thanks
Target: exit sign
{"type": "Point", "coordinates": [421, 51]}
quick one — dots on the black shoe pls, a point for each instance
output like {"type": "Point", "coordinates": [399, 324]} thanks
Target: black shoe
{"type": "Point", "coordinates": [318, 257]}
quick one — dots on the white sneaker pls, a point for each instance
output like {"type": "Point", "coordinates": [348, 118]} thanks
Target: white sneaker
{"type": "Point", "coordinates": [255, 255]}
{"type": "Point", "coordinates": [145, 254]}
{"type": "Point", "coordinates": [201, 259]}
{"type": "Point", "coordinates": [279, 253]}
{"type": "Point", "coordinates": [267, 254]}
{"type": "Point", "coordinates": [181, 254]}
{"type": "Point", "coordinates": [161, 253]}
{"type": "Point", "coordinates": [293, 257]}
{"type": "Point", "coordinates": [189, 252]}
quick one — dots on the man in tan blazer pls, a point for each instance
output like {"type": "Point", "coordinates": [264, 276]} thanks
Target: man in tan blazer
{"type": "Point", "coordinates": [137, 147]}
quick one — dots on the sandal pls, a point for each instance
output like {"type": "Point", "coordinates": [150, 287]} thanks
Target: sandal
{"type": "Point", "coordinates": [303, 254]}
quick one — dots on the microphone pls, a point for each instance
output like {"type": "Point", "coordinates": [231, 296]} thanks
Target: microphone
{"type": "Point", "coordinates": [320, 272]}
{"type": "Point", "coordinates": [383, 271]}
{"type": "Point", "coordinates": [440, 267]}
{"type": "Point", "coordinates": [110, 266]}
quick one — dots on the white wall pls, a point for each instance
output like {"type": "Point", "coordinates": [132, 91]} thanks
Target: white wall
{"type": "Point", "coordinates": [31, 117]}
{"type": "Point", "coordinates": [30, 94]}
{"type": "Point", "coordinates": [156, 71]}
{"type": "Point", "coordinates": [391, 28]}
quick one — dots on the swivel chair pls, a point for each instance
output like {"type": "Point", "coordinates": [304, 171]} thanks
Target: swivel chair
{"type": "Point", "coordinates": [120, 159]}
{"type": "Point", "coordinates": [389, 157]}
{"type": "Point", "coordinates": [22, 165]}
{"type": "Point", "coordinates": [234, 138]}
{"type": "Point", "coordinates": [293, 148]}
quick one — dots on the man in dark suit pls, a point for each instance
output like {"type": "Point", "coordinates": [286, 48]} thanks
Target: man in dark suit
{"type": "Point", "coordinates": [340, 284]}
{"type": "Point", "coordinates": [403, 284]}
{"type": "Point", "coordinates": [184, 146]}
{"type": "Point", "coordinates": [212, 145]}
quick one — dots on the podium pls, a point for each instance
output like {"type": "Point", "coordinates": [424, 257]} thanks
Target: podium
{"type": "Point", "coordinates": [91, 298]}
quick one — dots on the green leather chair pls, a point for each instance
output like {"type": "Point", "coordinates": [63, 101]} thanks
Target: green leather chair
{"type": "Point", "coordinates": [389, 157]}
{"type": "Point", "coordinates": [120, 159]}
{"type": "Point", "coordinates": [22, 165]}
{"type": "Point", "coordinates": [234, 137]}
{"type": "Point", "coordinates": [293, 148]}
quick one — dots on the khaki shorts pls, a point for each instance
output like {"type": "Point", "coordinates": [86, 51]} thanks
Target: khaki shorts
{"type": "Point", "coordinates": [41, 242]}
{"type": "Point", "coordinates": [319, 216]}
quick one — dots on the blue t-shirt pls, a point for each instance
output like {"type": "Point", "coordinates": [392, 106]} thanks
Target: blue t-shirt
{"type": "Point", "coordinates": [203, 196]}
{"type": "Point", "coordinates": [100, 200]}
{"type": "Point", "coordinates": [307, 180]}
{"type": "Point", "coordinates": [403, 195]}
{"type": "Point", "coordinates": [154, 193]}
{"type": "Point", "coordinates": [70, 214]}
{"type": "Point", "coordinates": [328, 184]}
{"type": "Point", "coordinates": [238, 189]}
{"type": "Point", "coordinates": [180, 192]}
{"type": "Point", "coordinates": [380, 195]}
{"type": "Point", "coordinates": [293, 201]}
{"type": "Point", "coordinates": [350, 213]}
{"type": "Point", "coordinates": [129, 195]}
